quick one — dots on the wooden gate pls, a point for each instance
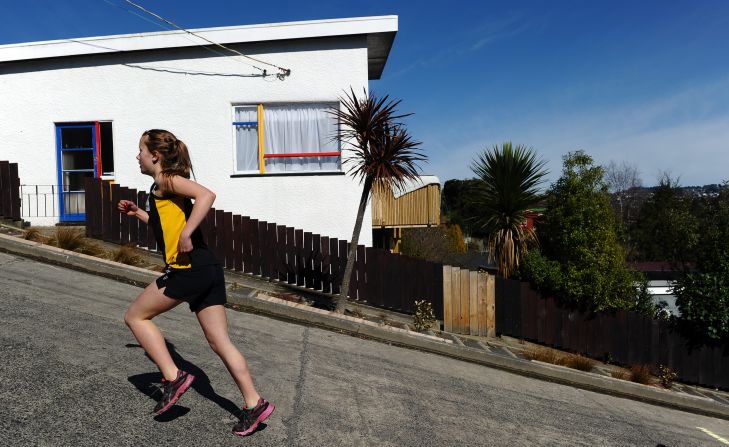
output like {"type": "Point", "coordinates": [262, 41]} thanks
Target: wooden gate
{"type": "Point", "coordinates": [469, 302]}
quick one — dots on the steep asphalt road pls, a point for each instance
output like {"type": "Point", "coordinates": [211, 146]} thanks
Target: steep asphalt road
{"type": "Point", "coordinates": [72, 375]}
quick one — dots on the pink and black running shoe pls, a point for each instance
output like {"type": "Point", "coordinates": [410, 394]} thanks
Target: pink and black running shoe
{"type": "Point", "coordinates": [250, 419]}
{"type": "Point", "coordinates": [172, 390]}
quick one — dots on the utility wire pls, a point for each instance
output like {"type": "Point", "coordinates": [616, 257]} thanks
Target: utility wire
{"type": "Point", "coordinates": [155, 23]}
{"type": "Point", "coordinates": [206, 47]}
{"type": "Point", "coordinates": [284, 71]}
{"type": "Point", "coordinates": [171, 69]}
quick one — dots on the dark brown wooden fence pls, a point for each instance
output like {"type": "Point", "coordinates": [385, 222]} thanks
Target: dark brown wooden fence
{"type": "Point", "coordinates": [628, 337]}
{"type": "Point", "coordinates": [279, 253]}
{"type": "Point", "coordinates": [9, 191]}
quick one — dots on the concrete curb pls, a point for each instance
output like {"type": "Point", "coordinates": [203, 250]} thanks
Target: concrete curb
{"type": "Point", "coordinates": [302, 313]}
{"type": "Point", "coordinates": [260, 303]}
{"type": "Point", "coordinates": [77, 261]}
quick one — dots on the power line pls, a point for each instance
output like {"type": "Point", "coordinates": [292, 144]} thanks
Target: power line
{"type": "Point", "coordinates": [206, 47]}
{"type": "Point", "coordinates": [284, 71]}
{"type": "Point", "coordinates": [171, 69]}
{"type": "Point", "coordinates": [137, 14]}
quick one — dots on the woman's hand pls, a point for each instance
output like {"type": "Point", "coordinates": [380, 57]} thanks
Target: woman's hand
{"type": "Point", "coordinates": [128, 207]}
{"type": "Point", "coordinates": [185, 243]}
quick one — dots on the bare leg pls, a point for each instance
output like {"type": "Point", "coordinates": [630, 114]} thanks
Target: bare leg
{"type": "Point", "coordinates": [150, 303]}
{"type": "Point", "coordinates": [214, 324]}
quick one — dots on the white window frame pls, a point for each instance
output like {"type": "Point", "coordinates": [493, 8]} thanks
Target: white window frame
{"type": "Point", "coordinates": [333, 103]}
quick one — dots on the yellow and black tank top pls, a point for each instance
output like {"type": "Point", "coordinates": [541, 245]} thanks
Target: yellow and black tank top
{"type": "Point", "coordinates": [168, 215]}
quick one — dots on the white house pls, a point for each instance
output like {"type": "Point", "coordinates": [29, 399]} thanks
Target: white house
{"type": "Point", "coordinates": [77, 107]}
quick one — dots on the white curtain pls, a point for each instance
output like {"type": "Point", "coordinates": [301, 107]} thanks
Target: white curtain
{"type": "Point", "coordinates": [296, 128]}
{"type": "Point", "coordinates": [246, 139]}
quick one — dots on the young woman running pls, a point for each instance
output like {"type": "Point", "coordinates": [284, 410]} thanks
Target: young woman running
{"type": "Point", "coordinates": [192, 274]}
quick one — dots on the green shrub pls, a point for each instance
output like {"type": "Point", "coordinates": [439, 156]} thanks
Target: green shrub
{"type": "Point", "coordinates": [424, 316]}
{"type": "Point", "coordinates": [580, 259]}
{"type": "Point", "coordinates": [435, 244]}
{"type": "Point", "coordinates": [666, 375]}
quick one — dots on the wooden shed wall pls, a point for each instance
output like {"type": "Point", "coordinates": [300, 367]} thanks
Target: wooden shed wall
{"type": "Point", "coordinates": [415, 209]}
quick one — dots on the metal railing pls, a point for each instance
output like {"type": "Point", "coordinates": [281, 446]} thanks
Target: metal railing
{"type": "Point", "coordinates": [43, 201]}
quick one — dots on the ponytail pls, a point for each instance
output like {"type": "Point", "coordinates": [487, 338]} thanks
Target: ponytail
{"type": "Point", "coordinates": [174, 155]}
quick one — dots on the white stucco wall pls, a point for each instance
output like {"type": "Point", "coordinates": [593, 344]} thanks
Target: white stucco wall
{"type": "Point", "coordinates": [198, 109]}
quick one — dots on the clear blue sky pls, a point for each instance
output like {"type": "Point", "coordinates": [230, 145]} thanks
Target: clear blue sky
{"type": "Point", "coordinates": [645, 82]}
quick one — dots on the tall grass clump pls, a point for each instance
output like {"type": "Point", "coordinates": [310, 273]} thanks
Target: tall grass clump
{"type": "Point", "coordinates": [68, 238]}
{"type": "Point", "coordinates": [545, 355]}
{"type": "Point", "coordinates": [127, 255]}
{"type": "Point", "coordinates": [640, 374]}
{"type": "Point", "coordinates": [577, 361]}
{"type": "Point", "coordinates": [620, 374]}
{"type": "Point", "coordinates": [34, 234]}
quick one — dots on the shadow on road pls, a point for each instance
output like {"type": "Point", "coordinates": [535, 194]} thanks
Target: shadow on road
{"type": "Point", "coordinates": [150, 383]}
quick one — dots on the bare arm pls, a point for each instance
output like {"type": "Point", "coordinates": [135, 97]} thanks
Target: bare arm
{"type": "Point", "coordinates": [204, 199]}
{"type": "Point", "coordinates": [132, 210]}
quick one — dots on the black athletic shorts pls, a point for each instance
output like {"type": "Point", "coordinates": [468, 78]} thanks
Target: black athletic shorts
{"type": "Point", "coordinates": [200, 287]}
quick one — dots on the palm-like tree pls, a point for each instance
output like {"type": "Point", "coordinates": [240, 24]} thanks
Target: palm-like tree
{"type": "Point", "coordinates": [382, 155]}
{"type": "Point", "coordinates": [509, 178]}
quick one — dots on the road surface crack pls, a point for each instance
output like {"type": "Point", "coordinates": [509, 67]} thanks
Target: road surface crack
{"type": "Point", "coordinates": [292, 423]}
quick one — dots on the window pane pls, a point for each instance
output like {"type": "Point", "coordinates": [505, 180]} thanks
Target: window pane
{"type": "Point", "coordinates": [74, 181]}
{"type": "Point", "coordinates": [77, 160]}
{"type": "Point", "coordinates": [107, 149]}
{"type": "Point", "coordinates": [246, 139]}
{"type": "Point", "coordinates": [74, 202]}
{"type": "Point", "coordinates": [77, 137]}
{"type": "Point", "coordinates": [297, 128]}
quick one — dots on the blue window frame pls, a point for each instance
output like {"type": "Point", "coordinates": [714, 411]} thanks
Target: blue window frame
{"type": "Point", "coordinates": [76, 148]}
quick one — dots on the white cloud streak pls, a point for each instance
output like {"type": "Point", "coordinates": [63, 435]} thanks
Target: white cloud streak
{"type": "Point", "coordinates": [685, 133]}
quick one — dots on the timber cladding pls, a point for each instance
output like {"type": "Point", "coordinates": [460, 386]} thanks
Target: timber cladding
{"type": "Point", "coordinates": [418, 208]}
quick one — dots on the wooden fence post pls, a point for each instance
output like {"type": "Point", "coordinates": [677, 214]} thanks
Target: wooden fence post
{"type": "Point", "coordinates": [456, 299]}
{"type": "Point", "coordinates": [115, 217]}
{"type": "Point", "coordinates": [473, 302]}
{"type": "Point", "coordinates": [5, 191]}
{"type": "Point", "coordinates": [291, 255]}
{"type": "Point", "coordinates": [464, 317]}
{"type": "Point", "coordinates": [237, 243]}
{"type": "Point", "coordinates": [14, 192]}
{"type": "Point", "coordinates": [490, 306]}
{"type": "Point", "coordinates": [447, 297]}
{"type": "Point", "coordinates": [88, 206]}
{"type": "Point", "coordinates": [481, 290]}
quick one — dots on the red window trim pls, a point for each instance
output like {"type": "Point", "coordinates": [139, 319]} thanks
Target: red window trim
{"type": "Point", "coordinates": [303, 154]}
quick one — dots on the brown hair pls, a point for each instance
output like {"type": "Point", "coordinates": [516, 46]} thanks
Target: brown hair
{"type": "Point", "coordinates": [174, 157]}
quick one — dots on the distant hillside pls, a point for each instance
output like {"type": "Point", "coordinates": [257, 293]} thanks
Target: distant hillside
{"type": "Point", "coordinates": [691, 191]}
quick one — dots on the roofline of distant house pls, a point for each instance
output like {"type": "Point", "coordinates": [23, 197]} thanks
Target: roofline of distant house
{"type": "Point", "coordinates": [380, 32]}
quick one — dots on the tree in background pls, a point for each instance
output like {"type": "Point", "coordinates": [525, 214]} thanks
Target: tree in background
{"type": "Point", "coordinates": [702, 295]}
{"type": "Point", "coordinates": [508, 185]}
{"type": "Point", "coordinates": [382, 155]}
{"type": "Point", "coordinates": [666, 227]}
{"type": "Point", "coordinates": [435, 244]}
{"type": "Point", "coordinates": [457, 209]}
{"type": "Point", "coordinates": [622, 177]}
{"type": "Point", "coordinates": [580, 259]}
{"type": "Point", "coordinates": [627, 194]}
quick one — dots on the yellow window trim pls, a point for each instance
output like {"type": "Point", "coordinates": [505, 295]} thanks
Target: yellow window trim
{"type": "Point", "coordinates": [261, 165]}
